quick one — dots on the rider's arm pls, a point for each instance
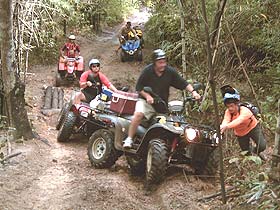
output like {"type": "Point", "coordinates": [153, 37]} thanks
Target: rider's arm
{"type": "Point", "coordinates": [83, 80]}
{"type": "Point", "coordinates": [62, 50]}
{"type": "Point", "coordinates": [181, 84]}
{"type": "Point", "coordinates": [105, 81]}
{"type": "Point", "coordinates": [141, 83]}
{"type": "Point", "coordinates": [77, 51]}
{"type": "Point", "coordinates": [113, 88]}
{"type": "Point", "coordinates": [191, 90]}
{"type": "Point", "coordinates": [227, 118]}
{"type": "Point", "coordinates": [144, 94]}
{"type": "Point", "coordinates": [135, 34]}
{"type": "Point", "coordinates": [245, 114]}
{"type": "Point", "coordinates": [123, 32]}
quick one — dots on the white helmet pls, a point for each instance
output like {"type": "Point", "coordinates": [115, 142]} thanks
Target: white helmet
{"type": "Point", "coordinates": [72, 37]}
{"type": "Point", "coordinates": [93, 61]}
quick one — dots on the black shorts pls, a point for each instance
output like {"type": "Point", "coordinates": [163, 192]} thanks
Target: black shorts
{"type": "Point", "coordinates": [89, 96]}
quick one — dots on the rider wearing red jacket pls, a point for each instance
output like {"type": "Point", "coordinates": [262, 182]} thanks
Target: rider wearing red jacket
{"type": "Point", "coordinates": [91, 82]}
{"type": "Point", "coordinates": [70, 49]}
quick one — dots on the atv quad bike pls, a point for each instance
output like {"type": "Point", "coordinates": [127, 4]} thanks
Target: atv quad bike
{"type": "Point", "coordinates": [69, 70]}
{"type": "Point", "coordinates": [80, 118]}
{"type": "Point", "coordinates": [166, 140]}
{"type": "Point", "coordinates": [131, 49]}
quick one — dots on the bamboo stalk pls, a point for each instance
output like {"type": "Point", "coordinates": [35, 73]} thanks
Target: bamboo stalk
{"type": "Point", "coordinates": [214, 98]}
{"type": "Point", "coordinates": [243, 67]}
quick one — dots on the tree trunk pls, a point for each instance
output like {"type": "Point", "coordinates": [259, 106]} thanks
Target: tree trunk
{"type": "Point", "coordinates": [214, 97]}
{"type": "Point", "coordinates": [183, 37]}
{"type": "Point", "coordinates": [216, 21]}
{"type": "Point", "coordinates": [275, 163]}
{"type": "Point", "coordinates": [13, 89]}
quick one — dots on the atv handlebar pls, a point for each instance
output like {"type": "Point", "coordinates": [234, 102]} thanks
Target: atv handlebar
{"type": "Point", "coordinates": [159, 100]}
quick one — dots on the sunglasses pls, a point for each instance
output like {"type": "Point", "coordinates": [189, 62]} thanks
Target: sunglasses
{"type": "Point", "coordinates": [95, 65]}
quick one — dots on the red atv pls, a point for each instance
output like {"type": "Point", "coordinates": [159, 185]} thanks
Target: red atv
{"type": "Point", "coordinates": [69, 70]}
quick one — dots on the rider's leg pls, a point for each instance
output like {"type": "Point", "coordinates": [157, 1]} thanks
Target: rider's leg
{"type": "Point", "coordinates": [244, 143]}
{"type": "Point", "coordinates": [79, 97]}
{"type": "Point", "coordinates": [137, 118]}
{"type": "Point", "coordinates": [257, 136]}
{"type": "Point", "coordinates": [142, 109]}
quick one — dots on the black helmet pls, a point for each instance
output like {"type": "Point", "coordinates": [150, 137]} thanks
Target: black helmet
{"type": "Point", "coordinates": [227, 89]}
{"type": "Point", "coordinates": [230, 94]}
{"type": "Point", "coordinates": [158, 54]}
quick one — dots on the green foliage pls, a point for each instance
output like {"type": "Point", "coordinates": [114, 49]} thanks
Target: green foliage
{"type": "Point", "coordinates": [255, 28]}
{"type": "Point", "coordinates": [254, 25]}
{"type": "Point", "coordinates": [246, 173]}
{"type": "Point", "coordinates": [79, 16]}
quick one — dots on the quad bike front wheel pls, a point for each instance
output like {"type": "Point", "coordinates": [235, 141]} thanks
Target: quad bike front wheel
{"type": "Point", "coordinates": [101, 150]}
{"type": "Point", "coordinates": [67, 127]}
{"type": "Point", "coordinates": [157, 161]}
{"type": "Point", "coordinates": [123, 56]}
{"type": "Point", "coordinates": [139, 55]}
{"type": "Point", "coordinates": [64, 110]}
{"type": "Point", "coordinates": [212, 165]}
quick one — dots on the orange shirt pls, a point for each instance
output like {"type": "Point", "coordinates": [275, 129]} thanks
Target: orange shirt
{"type": "Point", "coordinates": [242, 122]}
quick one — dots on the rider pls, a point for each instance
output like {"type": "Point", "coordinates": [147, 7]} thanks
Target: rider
{"type": "Point", "coordinates": [159, 76]}
{"type": "Point", "coordinates": [70, 49]}
{"type": "Point", "coordinates": [139, 34]}
{"type": "Point", "coordinates": [91, 82]}
{"type": "Point", "coordinates": [243, 122]}
{"type": "Point", "coordinates": [126, 34]}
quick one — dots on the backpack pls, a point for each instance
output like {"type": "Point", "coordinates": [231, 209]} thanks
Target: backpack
{"type": "Point", "coordinates": [254, 109]}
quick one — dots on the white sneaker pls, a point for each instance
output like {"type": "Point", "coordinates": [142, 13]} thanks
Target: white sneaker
{"type": "Point", "coordinates": [127, 143]}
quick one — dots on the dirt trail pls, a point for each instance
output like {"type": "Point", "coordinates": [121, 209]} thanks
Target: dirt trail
{"type": "Point", "coordinates": [60, 177]}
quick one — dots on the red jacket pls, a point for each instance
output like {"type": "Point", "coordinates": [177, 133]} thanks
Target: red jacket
{"type": "Point", "coordinates": [71, 49]}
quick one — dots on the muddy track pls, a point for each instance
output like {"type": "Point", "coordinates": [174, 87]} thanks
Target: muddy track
{"type": "Point", "coordinates": [60, 177]}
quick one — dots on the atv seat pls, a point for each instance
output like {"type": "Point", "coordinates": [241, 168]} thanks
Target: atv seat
{"type": "Point", "coordinates": [85, 104]}
{"type": "Point", "coordinates": [145, 123]}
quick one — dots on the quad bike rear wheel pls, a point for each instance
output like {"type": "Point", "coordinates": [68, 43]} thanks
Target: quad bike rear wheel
{"type": "Point", "coordinates": [136, 165]}
{"type": "Point", "coordinates": [66, 128]}
{"type": "Point", "coordinates": [157, 161]}
{"type": "Point", "coordinates": [64, 110]}
{"type": "Point", "coordinates": [101, 150]}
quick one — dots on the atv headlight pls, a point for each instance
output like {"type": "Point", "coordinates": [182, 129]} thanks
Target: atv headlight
{"type": "Point", "coordinates": [191, 134]}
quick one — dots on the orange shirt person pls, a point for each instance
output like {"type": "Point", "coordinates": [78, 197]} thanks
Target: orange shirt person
{"type": "Point", "coordinates": [243, 122]}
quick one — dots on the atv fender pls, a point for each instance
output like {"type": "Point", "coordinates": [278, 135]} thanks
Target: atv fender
{"type": "Point", "coordinates": [155, 131]}
{"type": "Point", "coordinates": [121, 131]}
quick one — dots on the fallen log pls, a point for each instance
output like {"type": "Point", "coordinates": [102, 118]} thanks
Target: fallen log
{"type": "Point", "coordinates": [42, 139]}
{"type": "Point", "coordinates": [10, 156]}
{"type": "Point", "coordinates": [215, 194]}
{"type": "Point", "coordinates": [55, 98]}
{"type": "Point", "coordinates": [48, 98]}
{"type": "Point", "coordinates": [60, 98]}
